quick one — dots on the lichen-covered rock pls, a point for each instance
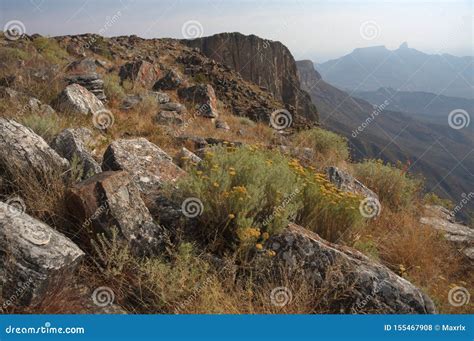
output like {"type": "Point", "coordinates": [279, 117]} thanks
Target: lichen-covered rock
{"type": "Point", "coordinates": [74, 143]}
{"type": "Point", "coordinates": [21, 150]}
{"type": "Point", "coordinates": [172, 80]}
{"type": "Point", "coordinates": [148, 165]}
{"type": "Point", "coordinates": [346, 182]}
{"type": "Point", "coordinates": [168, 117]}
{"type": "Point", "coordinates": [203, 97]}
{"type": "Point", "coordinates": [76, 99]}
{"type": "Point", "coordinates": [185, 156]}
{"type": "Point", "coordinates": [111, 200]}
{"type": "Point", "coordinates": [92, 82]}
{"type": "Point", "coordinates": [35, 260]}
{"type": "Point", "coordinates": [363, 285]}
{"type": "Point", "coordinates": [460, 235]}
{"type": "Point", "coordinates": [141, 72]}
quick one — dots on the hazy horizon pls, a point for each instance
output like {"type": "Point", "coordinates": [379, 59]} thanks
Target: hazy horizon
{"type": "Point", "coordinates": [316, 30]}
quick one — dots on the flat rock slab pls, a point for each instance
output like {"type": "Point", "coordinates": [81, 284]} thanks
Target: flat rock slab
{"type": "Point", "coordinates": [149, 166]}
{"type": "Point", "coordinates": [111, 200]}
{"type": "Point", "coordinates": [22, 150]}
{"type": "Point", "coordinates": [35, 260]}
{"type": "Point", "coordinates": [367, 286]}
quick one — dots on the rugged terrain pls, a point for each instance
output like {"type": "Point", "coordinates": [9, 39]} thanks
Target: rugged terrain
{"type": "Point", "coordinates": [142, 176]}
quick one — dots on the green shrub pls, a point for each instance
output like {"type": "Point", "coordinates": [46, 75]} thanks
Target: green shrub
{"type": "Point", "coordinates": [249, 194]}
{"type": "Point", "coordinates": [9, 55]}
{"type": "Point", "coordinates": [112, 87]}
{"type": "Point", "coordinates": [50, 50]}
{"type": "Point", "coordinates": [394, 186]}
{"type": "Point", "coordinates": [46, 126]}
{"type": "Point", "coordinates": [246, 122]}
{"type": "Point", "coordinates": [329, 147]}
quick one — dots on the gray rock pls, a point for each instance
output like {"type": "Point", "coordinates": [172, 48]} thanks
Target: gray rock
{"type": "Point", "coordinates": [222, 125]}
{"type": "Point", "coordinates": [76, 99]}
{"type": "Point", "coordinates": [24, 151]}
{"type": "Point", "coordinates": [73, 143]}
{"type": "Point", "coordinates": [203, 97]}
{"type": "Point", "coordinates": [161, 97]}
{"type": "Point", "coordinates": [367, 286]}
{"type": "Point", "coordinates": [148, 165]}
{"type": "Point", "coordinates": [346, 182]}
{"type": "Point", "coordinates": [172, 80]}
{"type": "Point", "coordinates": [35, 260]}
{"type": "Point", "coordinates": [461, 236]}
{"type": "Point", "coordinates": [168, 117]}
{"type": "Point", "coordinates": [172, 106]}
{"type": "Point", "coordinates": [185, 156]}
{"type": "Point", "coordinates": [131, 101]}
{"type": "Point", "coordinates": [92, 82]}
{"type": "Point", "coordinates": [141, 72]}
{"type": "Point", "coordinates": [111, 200]}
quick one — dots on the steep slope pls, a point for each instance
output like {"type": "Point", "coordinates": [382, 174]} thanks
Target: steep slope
{"type": "Point", "coordinates": [444, 156]}
{"type": "Point", "coordinates": [266, 63]}
{"type": "Point", "coordinates": [367, 69]}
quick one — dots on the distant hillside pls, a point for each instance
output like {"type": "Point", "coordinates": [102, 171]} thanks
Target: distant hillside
{"type": "Point", "coordinates": [406, 69]}
{"type": "Point", "coordinates": [426, 106]}
{"type": "Point", "coordinates": [432, 149]}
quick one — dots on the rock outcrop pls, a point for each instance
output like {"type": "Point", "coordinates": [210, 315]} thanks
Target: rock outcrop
{"type": "Point", "coordinates": [111, 200]}
{"type": "Point", "coordinates": [73, 143]}
{"type": "Point", "coordinates": [362, 285]}
{"type": "Point", "coordinates": [35, 260]}
{"type": "Point", "coordinates": [140, 72]}
{"type": "Point", "coordinates": [460, 235]}
{"type": "Point", "coordinates": [76, 99]}
{"type": "Point", "coordinates": [21, 150]}
{"type": "Point", "coordinates": [308, 75]}
{"type": "Point", "coordinates": [268, 64]}
{"type": "Point", "coordinates": [202, 97]}
{"type": "Point", "coordinates": [346, 182]}
{"type": "Point", "coordinates": [149, 166]}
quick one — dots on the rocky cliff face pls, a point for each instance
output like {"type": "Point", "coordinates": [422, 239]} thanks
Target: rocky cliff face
{"type": "Point", "coordinates": [266, 63]}
{"type": "Point", "coordinates": [308, 75]}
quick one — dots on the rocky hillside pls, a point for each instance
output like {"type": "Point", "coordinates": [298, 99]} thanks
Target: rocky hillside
{"type": "Point", "coordinates": [267, 63]}
{"type": "Point", "coordinates": [140, 176]}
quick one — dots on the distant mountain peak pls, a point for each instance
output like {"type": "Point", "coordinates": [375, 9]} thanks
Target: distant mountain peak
{"type": "Point", "coordinates": [404, 45]}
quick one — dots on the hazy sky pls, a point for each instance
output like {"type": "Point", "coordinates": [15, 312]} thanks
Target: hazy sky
{"type": "Point", "coordinates": [318, 29]}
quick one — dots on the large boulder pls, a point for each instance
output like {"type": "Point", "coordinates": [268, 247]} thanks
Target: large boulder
{"type": "Point", "coordinates": [35, 260]}
{"type": "Point", "coordinates": [203, 97]}
{"type": "Point", "coordinates": [148, 165]}
{"type": "Point", "coordinates": [111, 200]}
{"type": "Point", "coordinates": [21, 150]}
{"type": "Point", "coordinates": [74, 143]}
{"type": "Point", "coordinates": [172, 80]}
{"type": "Point", "coordinates": [76, 99]}
{"type": "Point", "coordinates": [461, 236]}
{"type": "Point", "coordinates": [361, 285]}
{"type": "Point", "coordinates": [141, 72]}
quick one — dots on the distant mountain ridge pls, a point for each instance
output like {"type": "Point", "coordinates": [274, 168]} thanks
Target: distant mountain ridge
{"type": "Point", "coordinates": [404, 69]}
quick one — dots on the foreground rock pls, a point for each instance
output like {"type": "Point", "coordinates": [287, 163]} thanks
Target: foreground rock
{"type": "Point", "coordinates": [360, 285]}
{"type": "Point", "coordinates": [111, 200]}
{"type": "Point", "coordinates": [76, 99]}
{"type": "Point", "coordinates": [73, 143]}
{"type": "Point", "coordinates": [346, 182]}
{"type": "Point", "coordinates": [460, 235]}
{"type": "Point", "coordinates": [149, 166]}
{"type": "Point", "coordinates": [23, 152]}
{"type": "Point", "coordinates": [203, 97]}
{"type": "Point", "coordinates": [35, 260]}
